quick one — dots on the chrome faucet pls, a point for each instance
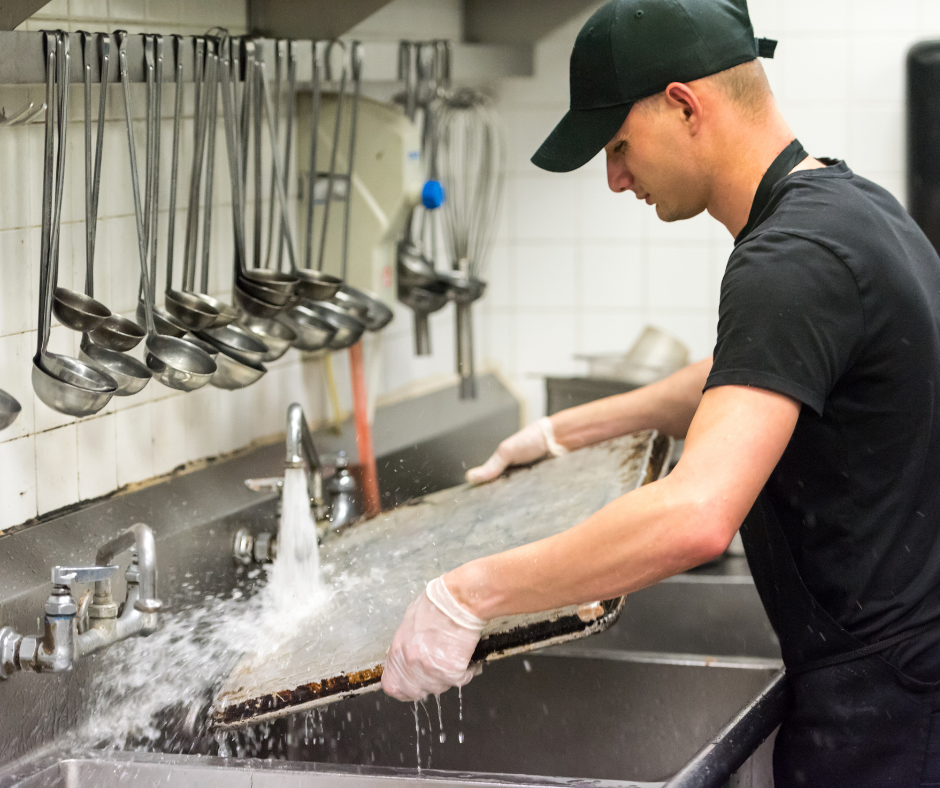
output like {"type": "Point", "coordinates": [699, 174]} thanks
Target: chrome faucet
{"type": "Point", "coordinates": [73, 630]}
{"type": "Point", "coordinates": [335, 505]}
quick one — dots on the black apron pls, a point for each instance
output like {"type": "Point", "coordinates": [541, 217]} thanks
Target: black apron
{"type": "Point", "coordinates": [856, 720]}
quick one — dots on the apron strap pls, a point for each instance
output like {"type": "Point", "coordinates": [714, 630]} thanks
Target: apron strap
{"type": "Point", "coordinates": [864, 651]}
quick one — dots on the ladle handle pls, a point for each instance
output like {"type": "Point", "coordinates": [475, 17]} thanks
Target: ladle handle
{"type": "Point", "coordinates": [288, 141]}
{"type": "Point", "coordinates": [314, 136]}
{"type": "Point", "coordinates": [331, 175]}
{"type": "Point", "coordinates": [135, 182]}
{"type": "Point", "coordinates": [355, 56]}
{"type": "Point", "coordinates": [231, 144]}
{"type": "Point", "coordinates": [279, 58]}
{"type": "Point", "coordinates": [63, 62]}
{"type": "Point", "coordinates": [195, 178]}
{"type": "Point", "coordinates": [155, 163]}
{"type": "Point", "coordinates": [45, 285]}
{"type": "Point", "coordinates": [278, 180]}
{"type": "Point", "coordinates": [105, 69]}
{"type": "Point", "coordinates": [174, 160]}
{"type": "Point", "coordinates": [89, 167]}
{"type": "Point", "coordinates": [212, 99]}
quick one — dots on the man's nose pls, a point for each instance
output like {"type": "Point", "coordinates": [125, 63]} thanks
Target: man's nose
{"type": "Point", "coordinates": [619, 178]}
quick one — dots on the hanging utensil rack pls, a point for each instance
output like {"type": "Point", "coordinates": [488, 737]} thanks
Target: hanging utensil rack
{"type": "Point", "coordinates": [23, 61]}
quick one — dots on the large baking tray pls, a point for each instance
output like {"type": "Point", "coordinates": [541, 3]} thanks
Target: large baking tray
{"type": "Point", "coordinates": [377, 567]}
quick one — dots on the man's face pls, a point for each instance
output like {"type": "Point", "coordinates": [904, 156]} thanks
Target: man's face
{"type": "Point", "coordinates": [654, 156]}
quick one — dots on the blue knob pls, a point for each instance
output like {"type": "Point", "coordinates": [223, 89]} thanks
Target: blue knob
{"type": "Point", "coordinates": [432, 195]}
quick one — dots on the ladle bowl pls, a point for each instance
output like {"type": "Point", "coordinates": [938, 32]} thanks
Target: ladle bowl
{"type": "Point", "coordinates": [254, 306]}
{"type": "Point", "coordinates": [190, 309]}
{"type": "Point", "coordinates": [130, 375]}
{"type": "Point", "coordinates": [423, 299]}
{"type": "Point", "coordinates": [178, 364]}
{"type": "Point", "coordinates": [9, 409]}
{"type": "Point", "coordinates": [78, 311]}
{"type": "Point", "coordinates": [316, 285]}
{"type": "Point", "coordinates": [262, 292]}
{"type": "Point", "coordinates": [236, 339]}
{"type": "Point", "coordinates": [414, 268]}
{"type": "Point", "coordinates": [117, 333]}
{"type": "Point", "coordinates": [71, 386]}
{"type": "Point", "coordinates": [377, 314]}
{"type": "Point", "coordinates": [313, 331]}
{"type": "Point", "coordinates": [165, 324]}
{"type": "Point", "coordinates": [278, 336]}
{"type": "Point", "coordinates": [348, 328]}
{"type": "Point", "coordinates": [235, 370]}
{"type": "Point", "coordinates": [274, 280]}
{"type": "Point", "coordinates": [227, 312]}
{"type": "Point", "coordinates": [209, 349]}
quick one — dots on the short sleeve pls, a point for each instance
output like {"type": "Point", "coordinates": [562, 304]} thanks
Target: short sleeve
{"type": "Point", "coordinates": [789, 320]}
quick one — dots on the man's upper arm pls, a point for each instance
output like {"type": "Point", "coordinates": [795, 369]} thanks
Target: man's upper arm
{"type": "Point", "coordinates": [736, 439]}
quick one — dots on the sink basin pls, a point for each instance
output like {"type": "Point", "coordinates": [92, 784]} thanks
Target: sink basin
{"type": "Point", "coordinates": [632, 706]}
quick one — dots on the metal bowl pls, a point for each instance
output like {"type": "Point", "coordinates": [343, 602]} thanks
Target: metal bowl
{"type": "Point", "coordinates": [348, 328]}
{"type": "Point", "coordinates": [254, 306]}
{"type": "Point", "coordinates": [227, 313]}
{"type": "Point", "coordinates": [117, 333]}
{"type": "Point", "coordinates": [9, 409]}
{"type": "Point", "coordinates": [274, 280]}
{"type": "Point", "coordinates": [190, 309]}
{"type": "Point", "coordinates": [278, 336]}
{"type": "Point", "coordinates": [316, 285]}
{"type": "Point", "coordinates": [209, 349]}
{"type": "Point", "coordinates": [77, 311]}
{"type": "Point", "coordinates": [262, 292]}
{"type": "Point", "coordinates": [178, 364]}
{"type": "Point", "coordinates": [164, 323]}
{"type": "Point", "coordinates": [423, 299]}
{"type": "Point", "coordinates": [313, 331]}
{"type": "Point", "coordinates": [130, 374]}
{"type": "Point", "coordinates": [70, 386]}
{"type": "Point", "coordinates": [235, 339]}
{"type": "Point", "coordinates": [377, 314]}
{"type": "Point", "coordinates": [235, 371]}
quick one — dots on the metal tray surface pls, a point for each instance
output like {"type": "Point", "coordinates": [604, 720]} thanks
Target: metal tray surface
{"type": "Point", "coordinates": [377, 567]}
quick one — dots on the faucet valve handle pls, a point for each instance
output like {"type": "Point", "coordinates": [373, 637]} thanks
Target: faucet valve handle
{"type": "Point", "coordinates": [66, 575]}
{"type": "Point", "coordinates": [271, 484]}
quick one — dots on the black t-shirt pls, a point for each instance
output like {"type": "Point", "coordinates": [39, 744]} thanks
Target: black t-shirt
{"type": "Point", "coordinates": [833, 298]}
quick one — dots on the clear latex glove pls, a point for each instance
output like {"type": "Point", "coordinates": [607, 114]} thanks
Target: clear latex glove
{"type": "Point", "coordinates": [432, 648]}
{"type": "Point", "coordinates": [528, 445]}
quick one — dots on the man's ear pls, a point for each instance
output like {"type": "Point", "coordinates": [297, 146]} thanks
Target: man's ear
{"type": "Point", "coordinates": [681, 96]}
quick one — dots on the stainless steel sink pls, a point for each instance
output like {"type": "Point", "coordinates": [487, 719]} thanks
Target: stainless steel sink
{"type": "Point", "coordinates": [631, 706]}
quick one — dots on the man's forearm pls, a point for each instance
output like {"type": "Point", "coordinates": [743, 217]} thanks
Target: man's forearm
{"type": "Point", "coordinates": [667, 405]}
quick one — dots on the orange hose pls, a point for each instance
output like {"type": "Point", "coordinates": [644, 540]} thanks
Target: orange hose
{"type": "Point", "coordinates": [370, 478]}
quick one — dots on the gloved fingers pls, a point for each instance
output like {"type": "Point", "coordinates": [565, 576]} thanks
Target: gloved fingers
{"type": "Point", "coordinates": [492, 468]}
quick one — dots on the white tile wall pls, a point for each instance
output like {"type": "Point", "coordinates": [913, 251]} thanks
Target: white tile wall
{"type": "Point", "coordinates": [576, 269]}
{"type": "Point", "coordinates": [839, 77]}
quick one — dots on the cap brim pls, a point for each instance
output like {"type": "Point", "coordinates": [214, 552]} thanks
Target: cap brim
{"type": "Point", "coordinates": [579, 137]}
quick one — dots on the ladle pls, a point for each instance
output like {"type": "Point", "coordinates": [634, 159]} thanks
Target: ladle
{"type": "Point", "coordinates": [9, 409]}
{"type": "Point", "coordinates": [227, 312]}
{"type": "Point", "coordinates": [313, 283]}
{"type": "Point", "coordinates": [64, 384]}
{"type": "Point", "coordinates": [274, 280]}
{"type": "Point", "coordinates": [175, 362]}
{"type": "Point", "coordinates": [235, 370]}
{"type": "Point", "coordinates": [189, 308]}
{"type": "Point", "coordinates": [165, 323]}
{"type": "Point", "coordinates": [236, 339]}
{"type": "Point", "coordinates": [250, 294]}
{"type": "Point", "coordinates": [313, 331]}
{"type": "Point", "coordinates": [77, 311]}
{"type": "Point", "coordinates": [278, 336]}
{"type": "Point", "coordinates": [116, 333]}
{"type": "Point", "coordinates": [130, 374]}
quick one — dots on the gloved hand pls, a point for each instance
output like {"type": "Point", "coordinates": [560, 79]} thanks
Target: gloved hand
{"type": "Point", "coordinates": [432, 648]}
{"type": "Point", "coordinates": [528, 445]}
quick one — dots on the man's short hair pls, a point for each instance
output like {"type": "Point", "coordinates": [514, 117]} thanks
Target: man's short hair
{"type": "Point", "coordinates": [746, 85]}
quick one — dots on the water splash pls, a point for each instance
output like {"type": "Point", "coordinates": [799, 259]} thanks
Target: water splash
{"type": "Point", "coordinates": [295, 576]}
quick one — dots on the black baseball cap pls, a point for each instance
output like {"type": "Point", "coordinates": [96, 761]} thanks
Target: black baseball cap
{"type": "Point", "coordinates": [631, 49]}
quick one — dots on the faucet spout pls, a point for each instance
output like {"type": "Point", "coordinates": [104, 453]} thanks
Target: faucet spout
{"type": "Point", "coordinates": [301, 452]}
{"type": "Point", "coordinates": [138, 536]}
